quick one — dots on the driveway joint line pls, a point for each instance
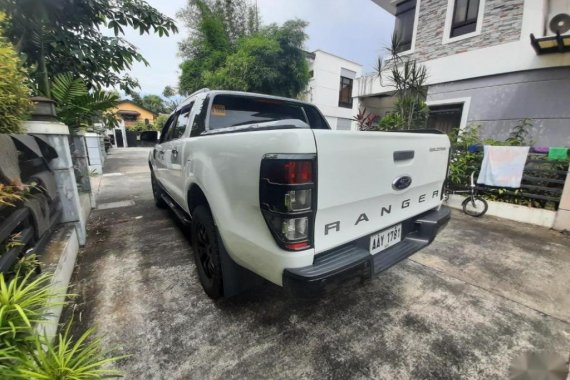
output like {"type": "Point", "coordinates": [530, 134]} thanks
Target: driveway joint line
{"type": "Point", "coordinates": [489, 291]}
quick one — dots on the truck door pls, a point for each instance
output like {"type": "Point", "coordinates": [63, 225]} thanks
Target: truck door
{"type": "Point", "coordinates": [176, 155]}
{"type": "Point", "coordinates": [160, 150]}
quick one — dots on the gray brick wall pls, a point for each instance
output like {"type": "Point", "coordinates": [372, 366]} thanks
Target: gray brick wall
{"type": "Point", "coordinates": [502, 23]}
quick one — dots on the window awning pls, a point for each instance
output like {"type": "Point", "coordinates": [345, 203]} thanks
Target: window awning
{"type": "Point", "coordinates": [128, 113]}
{"type": "Point", "coordinates": [551, 44]}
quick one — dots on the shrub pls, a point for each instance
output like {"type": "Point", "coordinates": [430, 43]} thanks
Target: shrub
{"type": "Point", "coordinates": [140, 126]}
{"type": "Point", "coordinates": [390, 122]}
{"type": "Point", "coordinates": [159, 122]}
{"type": "Point", "coordinates": [14, 94]}
{"type": "Point", "coordinates": [24, 301]}
{"type": "Point", "coordinates": [365, 120]}
{"type": "Point", "coordinates": [10, 195]}
{"type": "Point", "coordinates": [464, 160]}
{"type": "Point", "coordinates": [520, 136]}
{"type": "Point", "coordinates": [65, 358]}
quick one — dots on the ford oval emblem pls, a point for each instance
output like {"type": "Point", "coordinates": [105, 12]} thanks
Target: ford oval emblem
{"type": "Point", "coordinates": [402, 182]}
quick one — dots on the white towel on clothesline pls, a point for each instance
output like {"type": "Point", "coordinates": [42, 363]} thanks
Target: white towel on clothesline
{"type": "Point", "coordinates": [503, 166]}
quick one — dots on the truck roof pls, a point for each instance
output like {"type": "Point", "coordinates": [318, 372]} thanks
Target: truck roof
{"type": "Point", "coordinates": [242, 93]}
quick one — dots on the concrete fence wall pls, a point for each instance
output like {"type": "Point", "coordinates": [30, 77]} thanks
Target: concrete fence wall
{"type": "Point", "coordinates": [57, 135]}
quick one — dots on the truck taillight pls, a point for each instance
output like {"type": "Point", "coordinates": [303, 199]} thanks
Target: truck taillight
{"type": "Point", "coordinates": [287, 196]}
{"type": "Point", "coordinates": [298, 200]}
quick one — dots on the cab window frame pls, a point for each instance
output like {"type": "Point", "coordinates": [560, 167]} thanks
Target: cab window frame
{"type": "Point", "coordinates": [166, 130]}
{"type": "Point", "coordinates": [185, 109]}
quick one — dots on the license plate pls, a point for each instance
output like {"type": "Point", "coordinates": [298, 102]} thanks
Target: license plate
{"type": "Point", "coordinates": [385, 239]}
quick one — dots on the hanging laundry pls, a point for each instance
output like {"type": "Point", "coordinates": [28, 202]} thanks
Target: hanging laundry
{"type": "Point", "coordinates": [503, 166]}
{"type": "Point", "coordinates": [559, 153]}
{"type": "Point", "coordinates": [539, 149]}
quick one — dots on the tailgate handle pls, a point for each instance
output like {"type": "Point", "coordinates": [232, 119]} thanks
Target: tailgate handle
{"type": "Point", "coordinates": [402, 155]}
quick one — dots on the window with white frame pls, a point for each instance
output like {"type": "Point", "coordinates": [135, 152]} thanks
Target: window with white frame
{"type": "Point", "coordinates": [404, 27]}
{"type": "Point", "coordinates": [465, 15]}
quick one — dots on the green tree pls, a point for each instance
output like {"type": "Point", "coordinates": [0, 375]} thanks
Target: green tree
{"type": "Point", "coordinates": [168, 92]}
{"type": "Point", "coordinates": [68, 36]}
{"type": "Point", "coordinates": [205, 49]}
{"type": "Point", "coordinates": [237, 18]}
{"type": "Point", "coordinates": [154, 103]}
{"type": "Point", "coordinates": [221, 55]}
{"type": "Point", "coordinates": [159, 122]}
{"type": "Point", "coordinates": [14, 103]}
{"type": "Point", "coordinates": [151, 102]}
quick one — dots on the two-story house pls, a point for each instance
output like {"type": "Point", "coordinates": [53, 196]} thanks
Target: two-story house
{"type": "Point", "coordinates": [489, 62]}
{"type": "Point", "coordinates": [331, 86]}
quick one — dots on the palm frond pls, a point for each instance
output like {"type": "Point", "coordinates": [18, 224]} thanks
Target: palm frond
{"type": "Point", "coordinates": [65, 89]}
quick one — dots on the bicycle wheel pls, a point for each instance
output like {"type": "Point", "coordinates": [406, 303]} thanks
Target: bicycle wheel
{"type": "Point", "coordinates": [475, 206]}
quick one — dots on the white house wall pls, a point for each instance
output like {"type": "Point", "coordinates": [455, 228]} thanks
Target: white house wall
{"type": "Point", "coordinates": [324, 87]}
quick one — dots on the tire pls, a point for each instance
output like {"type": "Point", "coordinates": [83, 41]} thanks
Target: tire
{"type": "Point", "coordinates": [206, 249]}
{"type": "Point", "coordinates": [480, 208]}
{"type": "Point", "coordinates": [157, 192]}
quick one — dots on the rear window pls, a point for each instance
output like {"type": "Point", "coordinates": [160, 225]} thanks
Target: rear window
{"type": "Point", "coordinates": [234, 110]}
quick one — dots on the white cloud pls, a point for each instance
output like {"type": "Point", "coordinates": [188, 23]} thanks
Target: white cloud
{"type": "Point", "coordinates": [354, 29]}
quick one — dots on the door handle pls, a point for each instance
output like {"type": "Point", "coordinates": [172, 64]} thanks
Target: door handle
{"type": "Point", "coordinates": [174, 153]}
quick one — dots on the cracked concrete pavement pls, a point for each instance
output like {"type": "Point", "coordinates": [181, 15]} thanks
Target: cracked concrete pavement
{"type": "Point", "coordinates": [486, 291]}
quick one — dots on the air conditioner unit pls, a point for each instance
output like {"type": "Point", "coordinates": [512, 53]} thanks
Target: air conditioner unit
{"type": "Point", "coordinates": [558, 20]}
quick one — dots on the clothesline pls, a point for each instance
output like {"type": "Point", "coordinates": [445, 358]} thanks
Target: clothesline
{"type": "Point", "coordinates": [554, 153]}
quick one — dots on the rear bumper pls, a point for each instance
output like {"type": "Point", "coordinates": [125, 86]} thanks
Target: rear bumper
{"type": "Point", "coordinates": [353, 260]}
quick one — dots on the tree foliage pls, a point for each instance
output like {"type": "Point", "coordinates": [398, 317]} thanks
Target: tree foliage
{"type": "Point", "coordinates": [68, 36]}
{"type": "Point", "coordinates": [224, 54]}
{"type": "Point", "coordinates": [157, 125]}
{"type": "Point", "coordinates": [14, 103]}
{"type": "Point", "coordinates": [234, 19]}
{"type": "Point", "coordinates": [77, 107]}
{"type": "Point", "coordinates": [155, 103]}
{"type": "Point", "coordinates": [168, 92]}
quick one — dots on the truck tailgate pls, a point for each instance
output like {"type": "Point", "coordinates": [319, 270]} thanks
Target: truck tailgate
{"type": "Point", "coordinates": [356, 190]}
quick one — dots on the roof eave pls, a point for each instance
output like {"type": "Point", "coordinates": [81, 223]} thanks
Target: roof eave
{"type": "Point", "coordinates": [388, 5]}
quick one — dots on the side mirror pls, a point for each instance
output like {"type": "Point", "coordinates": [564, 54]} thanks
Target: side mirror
{"type": "Point", "coordinates": [149, 136]}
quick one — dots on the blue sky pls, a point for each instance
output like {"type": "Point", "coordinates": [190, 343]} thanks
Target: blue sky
{"type": "Point", "coordinates": [353, 29]}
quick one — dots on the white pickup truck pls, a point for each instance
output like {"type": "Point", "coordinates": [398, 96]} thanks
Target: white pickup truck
{"type": "Point", "coordinates": [270, 191]}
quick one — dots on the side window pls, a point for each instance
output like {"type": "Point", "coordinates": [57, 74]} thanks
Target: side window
{"type": "Point", "coordinates": [167, 128]}
{"type": "Point", "coordinates": [181, 122]}
{"type": "Point", "coordinates": [316, 121]}
{"type": "Point", "coordinates": [199, 123]}
{"type": "Point", "coordinates": [345, 93]}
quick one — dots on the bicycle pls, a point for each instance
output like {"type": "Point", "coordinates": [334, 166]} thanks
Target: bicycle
{"type": "Point", "coordinates": [473, 205]}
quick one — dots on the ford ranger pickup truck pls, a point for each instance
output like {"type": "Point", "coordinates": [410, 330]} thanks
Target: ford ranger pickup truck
{"type": "Point", "coordinates": [269, 191]}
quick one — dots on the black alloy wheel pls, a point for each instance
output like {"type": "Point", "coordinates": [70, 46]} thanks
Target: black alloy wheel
{"type": "Point", "coordinates": [157, 192]}
{"type": "Point", "coordinates": [205, 244]}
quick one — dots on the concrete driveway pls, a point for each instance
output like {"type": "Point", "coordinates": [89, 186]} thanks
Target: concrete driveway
{"type": "Point", "coordinates": [486, 291]}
